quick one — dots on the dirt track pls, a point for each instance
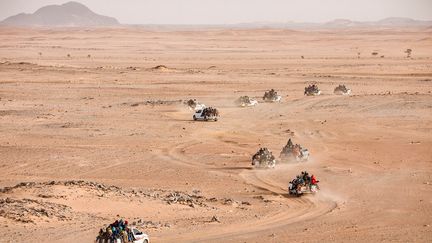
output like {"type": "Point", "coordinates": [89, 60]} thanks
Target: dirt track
{"type": "Point", "coordinates": [100, 119]}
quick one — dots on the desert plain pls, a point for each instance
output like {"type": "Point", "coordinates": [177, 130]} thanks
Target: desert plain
{"type": "Point", "coordinates": [93, 128]}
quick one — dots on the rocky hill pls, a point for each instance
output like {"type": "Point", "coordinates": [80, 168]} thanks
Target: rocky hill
{"type": "Point", "coordinates": [71, 14]}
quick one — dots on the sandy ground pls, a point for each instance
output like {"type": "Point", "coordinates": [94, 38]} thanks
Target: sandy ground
{"type": "Point", "coordinates": [83, 130]}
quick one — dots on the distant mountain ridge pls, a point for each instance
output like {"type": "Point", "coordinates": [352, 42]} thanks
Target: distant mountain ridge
{"type": "Point", "coordinates": [387, 22]}
{"type": "Point", "coordinates": [71, 14]}
{"type": "Point", "coordinates": [342, 23]}
{"type": "Point", "coordinates": [74, 14]}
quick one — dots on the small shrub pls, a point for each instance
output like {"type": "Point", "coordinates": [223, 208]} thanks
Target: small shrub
{"type": "Point", "coordinates": [408, 52]}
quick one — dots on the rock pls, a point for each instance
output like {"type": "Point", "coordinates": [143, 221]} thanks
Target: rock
{"type": "Point", "coordinates": [215, 219]}
{"type": "Point", "coordinates": [259, 197]}
{"type": "Point", "coordinates": [213, 199]}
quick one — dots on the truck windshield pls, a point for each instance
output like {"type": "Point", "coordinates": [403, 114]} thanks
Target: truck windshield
{"type": "Point", "coordinates": [136, 232]}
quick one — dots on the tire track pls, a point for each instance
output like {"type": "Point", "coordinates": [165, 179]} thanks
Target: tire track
{"type": "Point", "coordinates": [292, 209]}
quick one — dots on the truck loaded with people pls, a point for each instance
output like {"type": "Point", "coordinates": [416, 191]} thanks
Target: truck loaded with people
{"type": "Point", "coordinates": [303, 183]}
{"type": "Point", "coordinates": [293, 152]}
{"type": "Point", "coordinates": [245, 101]}
{"type": "Point", "coordinates": [263, 159]}
{"type": "Point", "coordinates": [341, 89]}
{"type": "Point", "coordinates": [206, 114]}
{"type": "Point", "coordinates": [312, 90]}
{"type": "Point", "coordinates": [121, 232]}
{"type": "Point", "coordinates": [271, 96]}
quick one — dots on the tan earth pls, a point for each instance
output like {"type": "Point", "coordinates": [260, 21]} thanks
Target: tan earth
{"type": "Point", "coordinates": [93, 119]}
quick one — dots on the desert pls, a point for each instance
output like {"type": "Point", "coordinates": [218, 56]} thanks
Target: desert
{"type": "Point", "coordinates": [94, 128]}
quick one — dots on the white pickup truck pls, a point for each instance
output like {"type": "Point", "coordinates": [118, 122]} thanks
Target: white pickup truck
{"type": "Point", "coordinates": [299, 190]}
{"type": "Point", "coordinates": [138, 236]}
{"type": "Point", "coordinates": [206, 114]}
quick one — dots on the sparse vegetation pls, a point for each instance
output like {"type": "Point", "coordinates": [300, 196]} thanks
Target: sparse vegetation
{"type": "Point", "coordinates": [374, 53]}
{"type": "Point", "coordinates": [68, 55]}
{"type": "Point", "coordinates": [88, 56]}
{"type": "Point", "coordinates": [408, 52]}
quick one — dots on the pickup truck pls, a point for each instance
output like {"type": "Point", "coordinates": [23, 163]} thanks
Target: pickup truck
{"type": "Point", "coordinates": [206, 114]}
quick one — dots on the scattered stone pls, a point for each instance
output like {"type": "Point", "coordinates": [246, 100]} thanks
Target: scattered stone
{"type": "Point", "coordinates": [185, 199]}
{"type": "Point", "coordinates": [28, 210]}
{"type": "Point", "coordinates": [215, 219]}
{"type": "Point", "coordinates": [213, 199]}
{"type": "Point", "coordinates": [160, 67]}
{"type": "Point", "coordinates": [154, 102]}
{"type": "Point", "coordinates": [259, 197]}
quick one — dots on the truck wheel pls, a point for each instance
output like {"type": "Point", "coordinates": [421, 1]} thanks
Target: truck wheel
{"type": "Point", "coordinates": [215, 119]}
{"type": "Point", "coordinates": [145, 241]}
{"type": "Point", "coordinates": [194, 117]}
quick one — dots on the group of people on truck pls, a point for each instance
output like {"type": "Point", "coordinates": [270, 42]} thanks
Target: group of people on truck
{"type": "Point", "coordinates": [270, 95]}
{"type": "Point", "coordinates": [342, 88]}
{"type": "Point", "coordinates": [263, 155]}
{"type": "Point", "coordinates": [290, 148]}
{"type": "Point", "coordinates": [305, 179]}
{"type": "Point", "coordinates": [117, 230]}
{"type": "Point", "coordinates": [311, 89]}
{"type": "Point", "coordinates": [210, 111]}
{"type": "Point", "coordinates": [244, 99]}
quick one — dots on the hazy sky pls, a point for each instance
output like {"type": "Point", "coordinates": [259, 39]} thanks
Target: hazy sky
{"type": "Point", "coordinates": [236, 11]}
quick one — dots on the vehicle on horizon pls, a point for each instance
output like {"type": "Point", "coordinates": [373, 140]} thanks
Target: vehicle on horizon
{"type": "Point", "coordinates": [245, 101]}
{"type": "Point", "coordinates": [341, 89]}
{"type": "Point", "coordinates": [312, 90]}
